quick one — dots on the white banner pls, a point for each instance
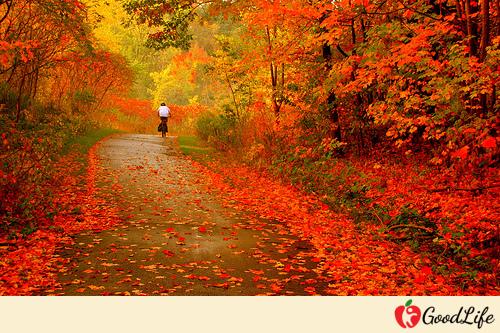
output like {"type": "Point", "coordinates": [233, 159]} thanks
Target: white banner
{"type": "Point", "coordinates": [250, 314]}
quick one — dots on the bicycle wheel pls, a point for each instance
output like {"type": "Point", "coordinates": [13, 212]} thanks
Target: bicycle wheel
{"type": "Point", "coordinates": [164, 129]}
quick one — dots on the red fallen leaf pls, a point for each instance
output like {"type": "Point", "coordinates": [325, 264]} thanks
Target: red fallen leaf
{"type": "Point", "coordinates": [181, 239]}
{"type": "Point", "coordinates": [419, 279]}
{"type": "Point", "coordinates": [316, 259]}
{"type": "Point", "coordinates": [256, 272]}
{"type": "Point", "coordinates": [256, 278]}
{"type": "Point", "coordinates": [275, 288]}
{"type": "Point", "coordinates": [202, 229]}
{"type": "Point", "coordinates": [232, 246]}
{"type": "Point", "coordinates": [310, 290]}
{"type": "Point", "coordinates": [224, 285]}
{"type": "Point", "coordinates": [461, 153]}
{"type": "Point", "coordinates": [426, 270]}
{"type": "Point", "coordinates": [490, 142]}
{"type": "Point", "coordinates": [224, 276]}
{"type": "Point", "coordinates": [80, 290]}
{"type": "Point", "coordinates": [168, 253]}
{"type": "Point", "coordinates": [203, 278]}
{"type": "Point", "coordinates": [124, 280]}
{"type": "Point", "coordinates": [236, 279]}
{"type": "Point", "coordinates": [287, 268]}
{"type": "Point", "coordinates": [170, 230]}
{"type": "Point", "coordinates": [196, 277]}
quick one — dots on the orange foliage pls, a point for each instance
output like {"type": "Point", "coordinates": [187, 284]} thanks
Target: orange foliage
{"type": "Point", "coordinates": [30, 265]}
{"type": "Point", "coordinates": [181, 113]}
{"type": "Point", "coordinates": [131, 106]}
{"type": "Point", "coordinates": [362, 262]}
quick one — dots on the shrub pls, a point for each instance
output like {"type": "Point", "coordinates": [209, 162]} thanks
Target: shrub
{"type": "Point", "coordinates": [28, 149]}
{"type": "Point", "coordinates": [221, 130]}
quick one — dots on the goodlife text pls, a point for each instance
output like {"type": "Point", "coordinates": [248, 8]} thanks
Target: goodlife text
{"type": "Point", "coordinates": [466, 316]}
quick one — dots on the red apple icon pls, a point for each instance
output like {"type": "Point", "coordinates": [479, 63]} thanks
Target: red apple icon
{"type": "Point", "coordinates": [407, 315]}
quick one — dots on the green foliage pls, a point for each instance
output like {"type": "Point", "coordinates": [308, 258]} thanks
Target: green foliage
{"type": "Point", "coordinates": [172, 20]}
{"type": "Point", "coordinates": [84, 141]}
{"type": "Point", "coordinates": [195, 148]}
{"type": "Point", "coordinates": [221, 130]}
{"type": "Point", "coordinates": [84, 96]}
{"type": "Point", "coordinates": [29, 149]}
{"type": "Point", "coordinates": [82, 100]}
{"type": "Point", "coordinates": [9, 100]}
{"type": "Point", "coordinates": [408, 215]}
{"type": "Point", "coordinates": [128, 40]}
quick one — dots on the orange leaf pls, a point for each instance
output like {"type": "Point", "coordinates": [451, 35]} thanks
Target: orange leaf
{"type": "Point", "coordinates": [461, 153]}
{"type": "Point", "coordinates": [168, 253]}
{"type": "Point", "coordinates": [490, 142]}
{"type": "Point", "coordinates": [224, 285]}
{"type": "Point", "coordinates": [275, 288]}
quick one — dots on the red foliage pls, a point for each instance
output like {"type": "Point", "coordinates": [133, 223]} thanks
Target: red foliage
{"type": "Point", "coordinates": [362, 262]}
{"type": "Point", "coordinates": [181, 112]}
{"type": "Point", "coordinates": [30, 264]}
{"type": "Point", "coordinates": [131, 106]}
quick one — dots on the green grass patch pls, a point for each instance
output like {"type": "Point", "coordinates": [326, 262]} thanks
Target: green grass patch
{"type": "Point", "coordinates": [83, 143]}
{"type": "Point", "coordinates": [196, 148]}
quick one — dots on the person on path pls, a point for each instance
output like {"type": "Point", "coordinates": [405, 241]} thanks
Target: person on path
{"type": "Point", "coordinates": [163, 113]}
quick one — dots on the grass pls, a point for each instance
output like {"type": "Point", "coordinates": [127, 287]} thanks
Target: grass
{"type": "Point", "coordinates": [83, 143]}
{"type": "Point", "coordinates": [195, 147]}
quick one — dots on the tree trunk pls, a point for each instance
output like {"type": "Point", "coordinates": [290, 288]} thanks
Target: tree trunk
{"type": "Point", "coordinates": [277, 97]}
{"type": "Point", "coordinates": [485, 29]}
{"type": "Point", "coordinates": [19, 98]}
{"type": "Point", "coordinates": [470, 29]}
{"type": "Point", "coordinates": [333, 113]}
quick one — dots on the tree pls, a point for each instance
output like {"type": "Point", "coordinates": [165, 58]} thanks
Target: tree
{"type": "Point", "coordinates": [34, 36]}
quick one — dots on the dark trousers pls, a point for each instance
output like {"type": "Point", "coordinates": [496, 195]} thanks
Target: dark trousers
{"type": "Point", "coordinates": [164, 125]}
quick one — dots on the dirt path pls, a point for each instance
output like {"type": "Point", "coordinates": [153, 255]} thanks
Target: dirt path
{"type": "Point", "coordinates": [177, 239]}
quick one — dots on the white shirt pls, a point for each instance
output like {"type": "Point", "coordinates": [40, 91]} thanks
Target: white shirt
{"type": "Point", "coordinates": [164, 111]}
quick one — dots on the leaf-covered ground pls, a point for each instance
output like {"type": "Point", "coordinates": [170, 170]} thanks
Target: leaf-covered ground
{"type": "Point", "coordinates": [152, 222]}
{"type": "Point", "coordinates": [30, 265]}
{"type": "Point", "coordinates": [177, 237]}
{"type": "Point", "coordinates": [354, 258]}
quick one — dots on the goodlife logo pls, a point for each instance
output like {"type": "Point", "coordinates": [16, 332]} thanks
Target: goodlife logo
{"type": "Point", "coordinates": [408, 316]}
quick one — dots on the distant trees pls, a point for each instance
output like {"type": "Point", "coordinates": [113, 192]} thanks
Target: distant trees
{"type": "Point", "coordinates": [421, 74]}
{"type": "Point", "coordinates": [39, 39]}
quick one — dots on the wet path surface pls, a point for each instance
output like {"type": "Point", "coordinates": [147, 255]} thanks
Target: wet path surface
{"type": "Point", "coordinates": [176, 237]}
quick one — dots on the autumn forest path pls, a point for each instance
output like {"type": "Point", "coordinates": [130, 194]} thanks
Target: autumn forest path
{"type": "Point", "coordinates": [176, 238]}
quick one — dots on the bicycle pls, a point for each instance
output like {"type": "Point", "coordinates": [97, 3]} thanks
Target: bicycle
{"type": "Point", "coordinates": [163, 127]}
